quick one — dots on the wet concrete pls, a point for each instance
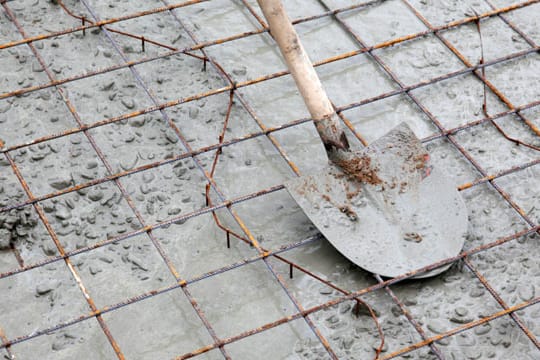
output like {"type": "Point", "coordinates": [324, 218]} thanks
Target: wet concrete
{"type": "Point", "coordinates": [237, 300]}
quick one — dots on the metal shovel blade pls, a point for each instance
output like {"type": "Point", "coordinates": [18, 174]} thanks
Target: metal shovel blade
{"type": "Point", "coordinates": [385, 207]}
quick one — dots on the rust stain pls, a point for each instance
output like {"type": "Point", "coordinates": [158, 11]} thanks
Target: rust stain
{"type": "Point", "coordinates": [347, 210]}
{"type": "Point", "coordinates": [412, 237]}
{"type": "Point", "coordinates": [360, 169]}
{"type": "Point", "coordinates": [403, 187]}
{"type": "Point", "coordinates": [352, 193]}
{"type": "Point", "coordinates": [421, 161]}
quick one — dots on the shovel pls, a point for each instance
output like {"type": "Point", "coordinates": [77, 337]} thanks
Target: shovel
{"type": "Point", "coordinates": [385, 207]}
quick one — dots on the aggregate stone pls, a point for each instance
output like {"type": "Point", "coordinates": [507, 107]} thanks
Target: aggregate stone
{"type": "Point", "coordinates": [43, 297]}
{"type": "Point", "coordinates": [515, 281]}
{"type": "Point", "coordinates": [91, 218]}
{"type": "Point", "coordinates": [420, 59]}
{"type": "Point", "coordinates": [524, 19]}
{"type": "Point", "coordinates": [45, 288]}
{"type": "Point", "coordinates": [438, 13]}
{"type": "Point", "coordinates": [59, 183]}
{"type": "Point", "coordinates": [95, 195]}
{"type": "Point", "coordinates": [392, 19]}
{"type": "Point", "coordinates": [78, 340]}
{"type": "Point", "coordinates": [17, 64]}
{"type": "Point", "coordinates": [62, 213]}
{"type": "Point", "coordinates": [501, 338]}
{"type": "Point", "coordinates": [49, 115]}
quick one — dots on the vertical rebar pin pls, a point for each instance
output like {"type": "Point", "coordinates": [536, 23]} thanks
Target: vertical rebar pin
{"type": "Point", "coordinates": [291, 271]}
{"type": "Point", "coordinates": [228, 240]}
{"type": "Point", "coordinates": [481, 61]}
{"type": "Point", "coordinates": [142, 43]}
{"type": "Point", "coordinates": [83, 20]}
{"type": "Point", "coordinates": [356, 308]}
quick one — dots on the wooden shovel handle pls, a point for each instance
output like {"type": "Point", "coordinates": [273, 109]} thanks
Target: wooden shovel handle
{"type": "Point", "coordinates": [305, 77]}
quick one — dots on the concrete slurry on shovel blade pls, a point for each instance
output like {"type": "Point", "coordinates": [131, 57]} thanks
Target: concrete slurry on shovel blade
{"type": "Point", "coordinates": [385, 207]}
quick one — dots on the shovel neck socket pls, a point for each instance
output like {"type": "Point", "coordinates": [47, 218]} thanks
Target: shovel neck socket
{"type": "Point", "coordinates": [332, 134]}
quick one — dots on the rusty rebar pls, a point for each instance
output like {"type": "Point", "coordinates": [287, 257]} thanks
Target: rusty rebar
{"type": "Point", "coordinates": [339, 300]}
{"type": "Point", "coordinates": [501, 302]}
{"type": "Point", "coordinates": [264, 253]}
{"type": "Point", "coordinates": [141, 38]}
{"type": "Point", "coordinates": [253, 241]}
{"type": "Point", "coordinates": [41, 214]}
{"type": "Point", "coordinates": [462, 328]}
{"type": "Point", "coordinates": [258, 257]}
{"type": "Point", "coordinates": [202, 45]}
{"type": "Point", "coordinates": [410, 318]}
{"type": "Point", "coordinates": [4, 340]}
{"type": "Point", "coordinates": [415, 100]}
{"type": "Point", "coordinates": [481, 77]}
{"type": "Point", "coordinates": [98, 24]}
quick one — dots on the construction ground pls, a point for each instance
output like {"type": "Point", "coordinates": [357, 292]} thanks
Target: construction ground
{"type": "Point", "coordinates": [144, 146]}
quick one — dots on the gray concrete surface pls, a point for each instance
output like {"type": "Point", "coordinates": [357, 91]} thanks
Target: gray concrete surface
{"type": "Point", "coordinates": [166, 325]}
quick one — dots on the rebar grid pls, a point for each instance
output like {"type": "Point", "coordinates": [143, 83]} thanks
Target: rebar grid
{"type": "Point", "coordinates": [507, 102]}
{"type": "Point", "coordinates": [227, 203]}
